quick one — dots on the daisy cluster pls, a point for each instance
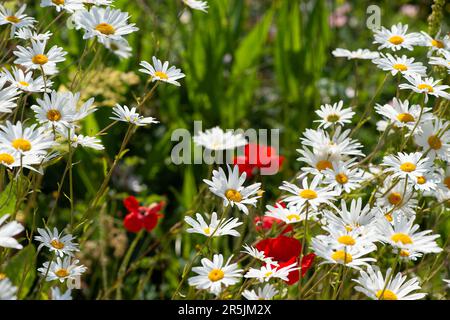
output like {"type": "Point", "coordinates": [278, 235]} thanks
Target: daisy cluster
{"type": "Point", "coordinates": [51, 128]}
{"type": "Point", "coordinates": [368, 210]}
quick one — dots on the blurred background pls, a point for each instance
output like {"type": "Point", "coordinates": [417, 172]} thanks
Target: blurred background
{"type": "Point", "coordinates": [248, 64]}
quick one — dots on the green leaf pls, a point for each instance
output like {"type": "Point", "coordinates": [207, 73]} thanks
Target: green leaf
{"type": "Point", "coordinates": [7, 199]}
{"type": "Point", "coordinates": [21, 270]}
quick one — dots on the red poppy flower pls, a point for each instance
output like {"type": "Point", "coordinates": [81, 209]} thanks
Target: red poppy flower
{"type": "Point", "coordinates": [140, 217]}
{"type": "Point", "coordinates": [258, 157]}
{"type": "Point", "coordinates": [286, 251]}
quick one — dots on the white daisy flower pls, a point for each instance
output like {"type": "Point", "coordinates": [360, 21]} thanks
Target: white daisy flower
{"type": "Point", "coordinates": [216, 228]}
{"type": "Point", "coordinates": [401, 114]}
{"type": "Point", "coordinates": [403, 165]}
{"type": "Point", "coordinates": [443, 183]}
{"type": "Point", "coordinates": [355, 218]}
{"type": "Point", "coordinates": [287, 215]}
{"type": "Point", "coordinates": [126, 114]}
{"type": "Point", "coordinates": [258, 255]}
{"type": "Point", "coordinates": [342, 240]}
{"type": "Point", "coordinates": [213, 274]}
{"type": "Point", "coordinates": [442, 61]}
{"type": "Point", "coordinates": [7, 290]}
{"type": "Point", "coordinates": [427, 86]}
{"type": "Point", "coordinates": [103, 23]}
{"type": "Point", "coordinates": [54, 110]}
{"type": "Point", "coordinates": [98, 2]}
{"type": "Point", "coordinates": [67, 5]}
{"type": "Point", "coordinates": [56, 241]}
{"type": "Point", "coordinates": [403, 235]}
{"type": "Point", "coordinates": [217, 139]}
{"type": "Point", "coordinates": [268, 271]}
{"type": "Point", "coordinates": [58, 295]}
{"type": "Point", "coordinates": [161, 72]}
{"type": "Point", "coordinates": [342, 177]}
{"type": "Point", "coordinates": [396, 197]}
{"type": "Point", "coordinates": [334, 115]}
{"type": "Point", "coordinates": [403, 65]}
{"type": "Point", "coordinates": [62, 269]}
{"type": "Point", "coordinates": [11, 158]}
{"type": "Point", "coordinates": [317, 162]}
{"type": "Point", "coordinates": [120, 48]}
{"type": "Point", "coordinates": [336, 146]}
{"type": "Point", "coordinates": [308, 194]}
{"type": "Point", "coordinates": [17, 20]}
{"type": "Point", "coordinates": [60, 109]}
{"type": "Point", "coordinates": [396, 38]}
{"type": "Point", "coordinates": [434, 138]}
{"type": "Point", "coordinates": [35, 57]}
{"type": "Point", "coordinates": [68, 134]}
{"type": "Point", "coordinates": [358, 54]}
{"type": "Point", "coordinates": [7, 232]}
{"type": "Point", "coordinates": [351, 256]}
{"type": "Point", "coordinates": [267, 292]}
{"type": "Point", "coordinates": [25, 140]}
{"type": "Point", "coordinates": [439, 45]}
{"type": "Point", "coordinates": [426, 183]}
{"type": "Point", "coordinates": [28, 34]}
{"type": "Point", "coordinates": [24, 80]}
{"type": "Point", "coordinates": [231, 188]}
{"type": "Point", "coordinates": [8, 96]}
{"type": "Point", "coordinates": [375, 286]}
{"type": "Point", "coordinates": [197, 5]}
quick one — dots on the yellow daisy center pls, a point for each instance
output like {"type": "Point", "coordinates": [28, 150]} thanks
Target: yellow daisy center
{"type": "Point", "coordinates": [434, 142]}
{"type": "Point", "coordinates": [408, 167]}
{"type": "Point", "coordinates": [405, 117]}
{"type": "Point", "coordinates": [404, 253]}
{"type": "Point", "coordinates": [58, 2]}
{"type": "Point", "coordinates": [342, 257]}
{"type": "Point", "coordinates": [333, 118]}
{"type": "Point", "coordinates": [268, 274]}
{"type": "Point", "coordinates": [6, 158]}
{"type": "Point", "coordinates": [308, 194]}
{"type": "Point", "coordinates": [39, 59]}
{"type": "Point", "coordinates": [55, 243]}
{"type": "Point", "coordinates": [216, 275]}
{"type": "Point", "coordinates": [62, 273]}
{"type": "Point", "coordinates": [293, 216]}
{"type": "Point", "coordinates": [400, 67]}
{"type": "Point", "coordinates": [401, 237]}
{"type": "Point", "coordinates": [24, 83]}
{"type": "Point", "coordinates": [207, 230]}
{"type": "Point", "coordinates": [395, 198]}
{"type": "Point", "coordinates": [2, 276]}
{"type": "Point", "coordinates": [386, 295]}
{"type": "Point", "coordinates": [13, 19]}
{"type": "Point", "coordinates": [105, 28]}
{"type": "Point", "coordinates": [161, 75]}
{"type": "Point", "coordinates": [233, 195]}
{"type": "Point", "coordinates": [388, 217]}
{"type": "Point", "coordinates": [347, 240]}
{"type": "Point", "coordinates": [437, 43]}
{"type": "Point", "coordinates": [323, 164]}
{"type": "Point", "coordinates": [21, 144]}
{"type": "Point", "coordinates": [425, 86]}
{"type": "Point", "coordinates": [53, 115]}
{"type": "Point", "coordinates": [396, 40]}
{"type": "Point", "coordinates": [447, 181]}
{"type": "Point", "coordinates": [341, 178]}
{"type": "Point", "coordinates": [421, 180]}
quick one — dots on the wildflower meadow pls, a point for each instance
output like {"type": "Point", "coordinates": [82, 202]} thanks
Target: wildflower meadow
{"type": "Point", "coordinates": [224, 150]}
